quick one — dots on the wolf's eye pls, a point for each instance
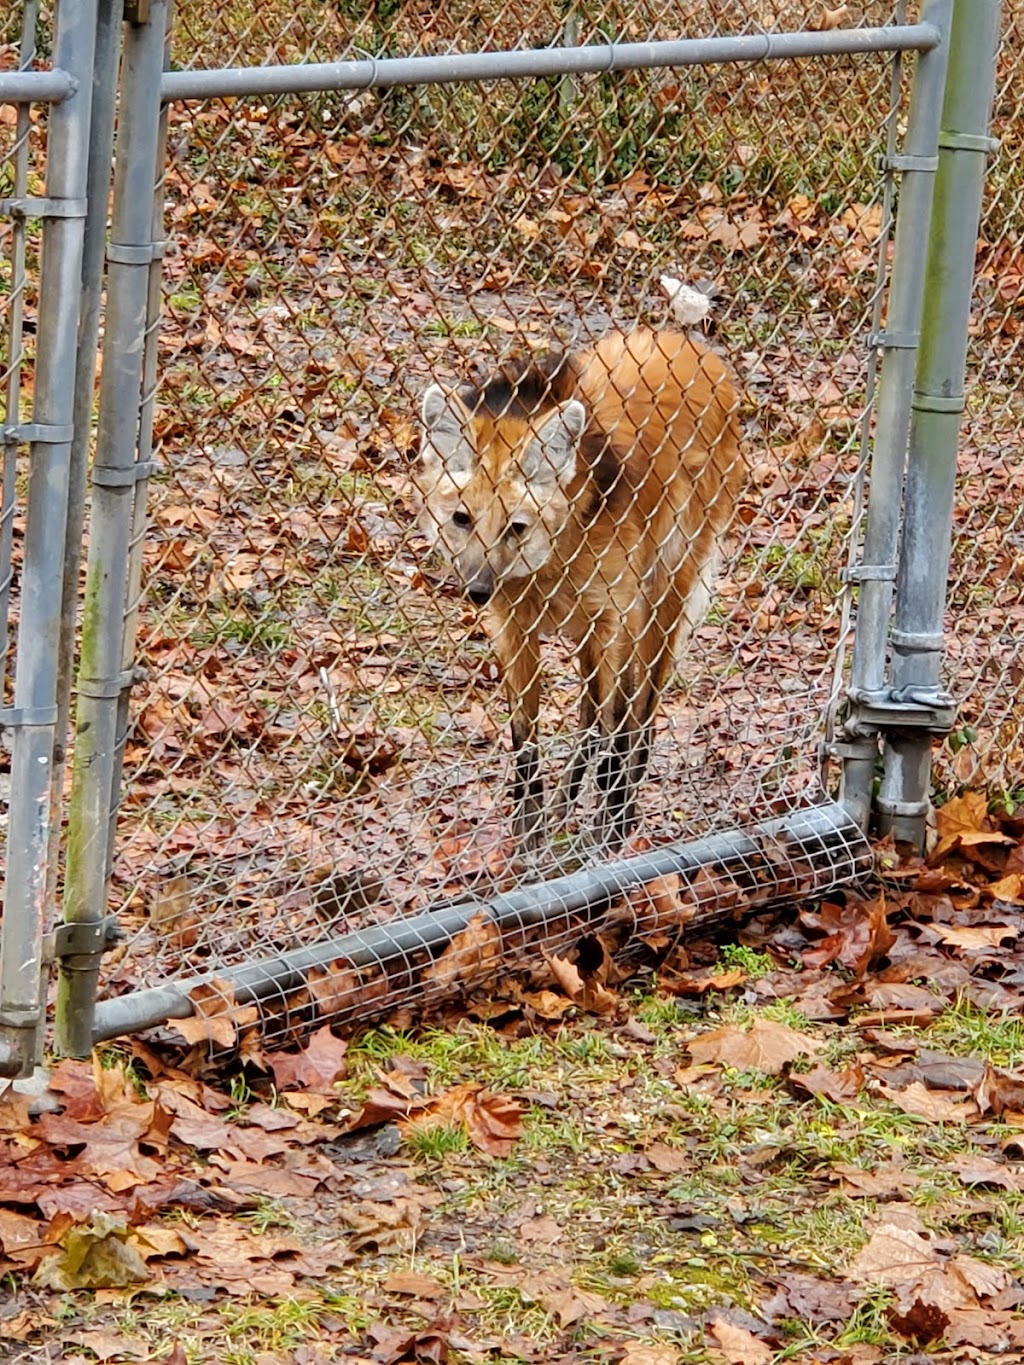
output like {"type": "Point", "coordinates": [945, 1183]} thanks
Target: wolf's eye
{"type": "Point", "coordinates": [517, 529]}
{"type": "Point", "coordinates": [461, 518]}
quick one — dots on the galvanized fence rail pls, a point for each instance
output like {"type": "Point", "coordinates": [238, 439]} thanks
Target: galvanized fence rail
{"type": "Point", "coordinates": [289, 768]}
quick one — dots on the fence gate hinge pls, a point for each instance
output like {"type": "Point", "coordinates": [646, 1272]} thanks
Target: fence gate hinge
{"type": "Point", "coordinates": [136, 11]}
{"type": "Point", "coordinates": [88, 939]}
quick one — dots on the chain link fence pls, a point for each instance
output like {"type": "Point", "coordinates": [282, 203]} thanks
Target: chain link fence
{"type": "Point", "coordinates": [317, 741]}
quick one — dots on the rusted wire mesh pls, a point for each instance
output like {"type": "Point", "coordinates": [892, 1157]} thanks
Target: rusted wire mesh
{"type": "Point", "coordinates": [320, 738]}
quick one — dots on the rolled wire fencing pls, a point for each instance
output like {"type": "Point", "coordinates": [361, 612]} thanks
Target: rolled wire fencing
{"type": "Point", "coordinates": [308, 758]}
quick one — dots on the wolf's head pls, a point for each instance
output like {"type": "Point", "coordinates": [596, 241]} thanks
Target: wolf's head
{"type": "Point", "coordinates": [496, 468]}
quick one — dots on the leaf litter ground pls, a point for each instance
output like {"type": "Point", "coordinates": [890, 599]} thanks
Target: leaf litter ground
{"type": "Point", "coordinates": [807, 1146]}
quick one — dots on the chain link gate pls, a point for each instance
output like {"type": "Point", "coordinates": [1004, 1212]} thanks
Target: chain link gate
{"type": "Point", "coordinates": [312, 815]}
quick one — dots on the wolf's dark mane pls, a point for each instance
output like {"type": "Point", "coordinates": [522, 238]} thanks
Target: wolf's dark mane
{"type": "Point", "coordinates": [526, 389]}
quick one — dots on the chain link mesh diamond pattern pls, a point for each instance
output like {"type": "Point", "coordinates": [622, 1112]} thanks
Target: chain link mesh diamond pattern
{"type": "Point", "coordinates": [320, 741]}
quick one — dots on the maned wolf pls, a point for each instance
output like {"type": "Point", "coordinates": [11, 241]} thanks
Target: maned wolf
{"type": "Point", "coordinates": [587, 494]}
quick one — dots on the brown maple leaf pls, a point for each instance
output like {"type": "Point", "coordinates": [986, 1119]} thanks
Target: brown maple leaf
{"type": "Point", "coordinates": [316, 1066]}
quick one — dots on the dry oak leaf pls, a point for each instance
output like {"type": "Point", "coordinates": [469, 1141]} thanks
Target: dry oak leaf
{"type": "Point", "coordinates": [766, 1046]}
{"type": "Point", "coordinates": [740, 1346]}
{"type": "Point", "coordinates": [319, 1064]}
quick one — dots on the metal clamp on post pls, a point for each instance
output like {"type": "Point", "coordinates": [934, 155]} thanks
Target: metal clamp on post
{"type": "Point", "coordinates": [968, 142]}
{"type": "Point", "coordinates": [868, 573]}
{"type": "Point", "coordinates": [39, 433]}
{"type": "Point", "coordinates": [909, 709]}
{"type": "Point", "coordinates": [109, 477]}
{"type": "Point", "coordinates": [893, 341]}
{"type": "Point", "coordinates": [122, 254]}
{"type": "Point", "coordinates": [27, 717]}
{"type": "Point", "coordinates": [106, 689]}
{"type": "Point", "coordinates": [39, 206]}
{"type": "Point", "coordinates": [903, 162]}
{"type": "Point", "coordinates": [86, 939]}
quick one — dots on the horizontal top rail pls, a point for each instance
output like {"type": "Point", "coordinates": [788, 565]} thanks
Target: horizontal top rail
{"type": "Point", "coordinates": [445, 68]}
{"type": "Point", "coordinates": [31, 87]}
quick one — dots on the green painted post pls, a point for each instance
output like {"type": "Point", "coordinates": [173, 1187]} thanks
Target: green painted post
{"type": "Point", "coordinates": [917, 637]}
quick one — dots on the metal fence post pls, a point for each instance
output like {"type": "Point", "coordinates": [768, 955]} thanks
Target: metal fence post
{"type": "Point", "coordinates": [876, 573]}
{"type": "Point", "coordinates": [115, 471]}
{"type": "Point", "coordinates": [938, 402]}
{"type": "Point", "coordinates": [33, 717]}
{"type": "Point", "coordinates": [150, 380]}
{"type": "Point", "coordinates": [15, 343]}
{"type": "Point", "coordinates": [101, 140]}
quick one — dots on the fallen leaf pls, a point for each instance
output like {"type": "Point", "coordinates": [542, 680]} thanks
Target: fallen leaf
{"type": "Point", "coordinates": [765, 1046]}
{"type": "Point", "coordinates": [542, 1229]}
{"type": "Point", "coordinates": [318, 1065]}
{"type": "Point", "coordinates": [415, 1285]}
{"type": "Point", "coordinates": [840, 1087]}
{"type": "Point", "coordinates": [587, 992]}
{"type": "Point", "coordinates": [95, 1255]}
{"type": "Point", "coordinates": [998, 1091]}
{"type": "Point", "coordinates": [975, 938]}
{"type": "Point", "coordinates": [893, 1255]}
{"type": "Point", "coordinates": [639, 1353]}
{"type": "Point", "coordinates": [670, 1160]}
{"type": "Point", "coordinates": [740, 1346]}
{"type": "Point", "coordinates": [917, 1099]}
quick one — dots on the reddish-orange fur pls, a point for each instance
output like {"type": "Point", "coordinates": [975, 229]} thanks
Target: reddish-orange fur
{"type": "Point", "coordinates": [617, 528]}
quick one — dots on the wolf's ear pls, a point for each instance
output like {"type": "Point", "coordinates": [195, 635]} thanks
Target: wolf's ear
{"type": "Point", "coordinates": [445, 420]}
{"type": "Point", "coordinates": [551, 456]}
{"type": "Point", "coordinates": [436, 409]}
